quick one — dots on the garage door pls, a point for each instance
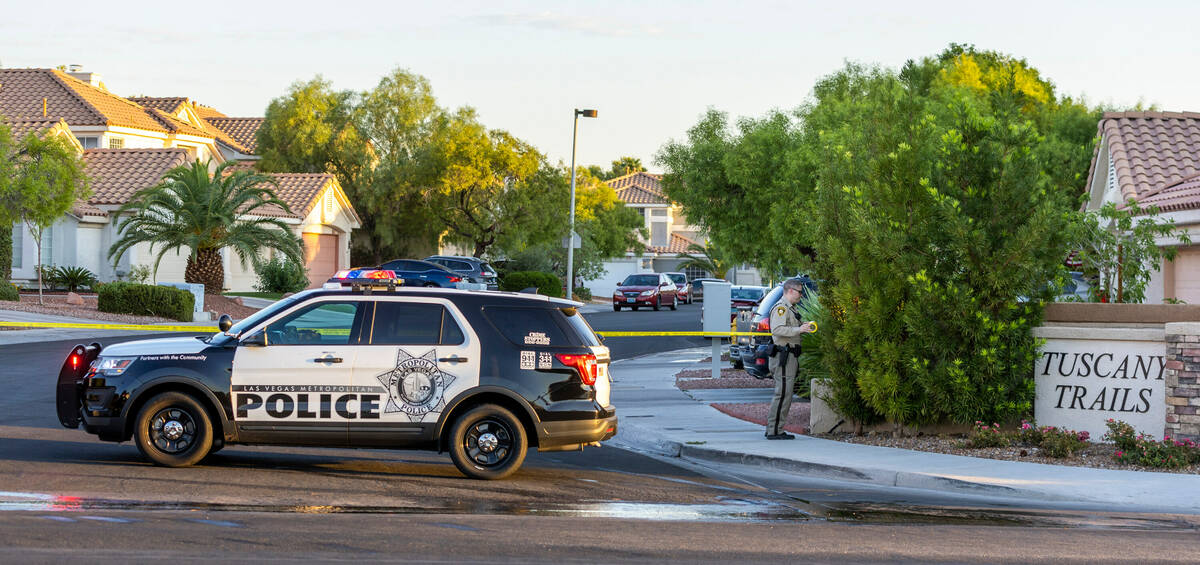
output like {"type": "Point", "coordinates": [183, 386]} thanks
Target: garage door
{"type": "Point", "coordinates": [320, 256]}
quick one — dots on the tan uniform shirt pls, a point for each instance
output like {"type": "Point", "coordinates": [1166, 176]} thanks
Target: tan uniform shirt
{"type": "Point", "coordinates": [785, 324]}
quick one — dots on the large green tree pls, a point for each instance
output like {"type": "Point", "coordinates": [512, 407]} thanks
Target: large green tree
{"type": "Point", "coordinates": [313, 129]}
{"type": "Point", "coordinates": [204, 213]}
{"type": "Point", "coordinates": [935, 216]}
{"type": "Point", "coordinates": [477, 182]}
{"type": "Point", "coordinates": [45, 178]}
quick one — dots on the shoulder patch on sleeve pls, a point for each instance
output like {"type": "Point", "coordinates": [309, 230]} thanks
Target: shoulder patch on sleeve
{"type": "Point", "coordinates": [780, 310]}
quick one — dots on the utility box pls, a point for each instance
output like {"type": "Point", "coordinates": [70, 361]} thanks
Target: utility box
{"type": "Point", "coordinates": [718, 304]}
{"type": "Point", "coordinates": [197, 290]}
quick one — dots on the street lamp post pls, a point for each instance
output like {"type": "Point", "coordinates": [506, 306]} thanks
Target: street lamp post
{"type": "Point", "coordinates": [571, 233]}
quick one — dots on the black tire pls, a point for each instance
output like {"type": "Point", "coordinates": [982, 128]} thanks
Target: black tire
{"type": "Point", "coordinates": [658, 303]}
{"type": "Point", "coordinates": [674, 303]}
{"type": "Point", "coordinates": [172, 429]}
{"type": "Point", "coordinates": [634, 308]}
{"type": "Point", "coordinates": [496, 457]}
{"type": "Point", "coordinates": [616, 308]}
{"type": "Point", "coordinates": [433, 284]}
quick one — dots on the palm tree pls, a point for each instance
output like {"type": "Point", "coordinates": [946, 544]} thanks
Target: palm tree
{"type": "Point", "coordinates": [707, 258]}
{"type": "Point", "coordinates": [206, 213]}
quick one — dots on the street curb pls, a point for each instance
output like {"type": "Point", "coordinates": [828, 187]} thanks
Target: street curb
{"type": "Point", "coordinates": [639, 438]}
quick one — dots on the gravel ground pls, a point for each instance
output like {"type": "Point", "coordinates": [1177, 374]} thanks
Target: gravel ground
{"type": "Point", "coordinates": [1098, 456]}
{"type": "Point", "coordinates": [730, 378]}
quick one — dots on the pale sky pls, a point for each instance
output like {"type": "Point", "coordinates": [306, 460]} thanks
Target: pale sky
{"type": "Point", "coordinates": [651, 68]}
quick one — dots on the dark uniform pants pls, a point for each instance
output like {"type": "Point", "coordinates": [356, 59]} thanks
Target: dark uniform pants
{"type": "Point", "coordinates": [785, 383]}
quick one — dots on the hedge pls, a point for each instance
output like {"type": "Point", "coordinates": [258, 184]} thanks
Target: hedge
{"type": "Point", "coordinates": [546, 283]}
{"type": "Point", "coordinates": [8, 291]}
{"type": "Point", "coordinates": [145, 300]}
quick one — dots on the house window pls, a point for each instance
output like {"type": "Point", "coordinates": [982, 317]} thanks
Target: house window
{"type": "Point", "coordinates": [90, 142]}
{"type": "Point", "coordinates": [658, 227]}
{"type": "Point", "coordinates": [18, 239]}
{"type": "Point", "coordinates": [116, 143]}
{"type": "Point", "coordinates": [695, 273]}
{"type": "Point", "coordinates": [48, 246]}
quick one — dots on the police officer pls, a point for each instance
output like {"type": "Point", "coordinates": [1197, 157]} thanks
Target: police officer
{"type": "Point", "coordinates": [786, 330]}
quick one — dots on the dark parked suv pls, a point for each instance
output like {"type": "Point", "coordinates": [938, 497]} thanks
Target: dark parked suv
{"type": "Point", "coordinates": [482, 375]}
{"type": "Point", "coordinates": [473, 268]}
{"type": "Point", "coordinates": [422, 273]}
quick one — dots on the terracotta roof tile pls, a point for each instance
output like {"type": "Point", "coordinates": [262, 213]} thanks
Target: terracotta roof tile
{"type": "Point", "coordinates": [81, 209]}
{"type": "Point", "coordinates": [243, 131]}
{"type": "Point", "coordinates": [24, 93]}
{"type": "Point", "coordinates": [1150, 150]}
{"type": "Point", "coordinates": [677, 244]}
{"type": "Point", "coordinates": [168, 104]}
{"type": "Point", "coordinates": [205, 112]}
{"type": "Point", "coordinates": [118, 173]}
{"type": "Point", "coordinates": [21, 128]}
{"type": "Point", "coordinates": [639, 188]}
{"type": "Point", "coordinates": [1182, 195]}
{"type": "Point", "coordinates": [299, 191]}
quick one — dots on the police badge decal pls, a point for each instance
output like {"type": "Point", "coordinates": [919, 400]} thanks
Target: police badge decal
{"type": "Point", "coordinates": [416, 386]}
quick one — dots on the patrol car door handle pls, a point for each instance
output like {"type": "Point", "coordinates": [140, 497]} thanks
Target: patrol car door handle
{"type": "Point", "coordinates": [455, 359]}
{"type": "Point", "coordinates": [330, 359]}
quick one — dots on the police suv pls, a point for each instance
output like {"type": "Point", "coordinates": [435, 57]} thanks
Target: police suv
{"type": "Point", "coordinates": [483, 375]}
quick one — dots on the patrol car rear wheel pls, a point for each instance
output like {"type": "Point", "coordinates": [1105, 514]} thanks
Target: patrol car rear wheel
{"type": "Point", "coordinates": [488, 442]}
{"type": "Point", "coordinates": [674, 302]}
{"type": "Point", "coordinates": [173, 429]}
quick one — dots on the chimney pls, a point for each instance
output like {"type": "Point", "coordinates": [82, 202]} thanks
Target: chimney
{"type": "Point", "coordinates": [76, 71]}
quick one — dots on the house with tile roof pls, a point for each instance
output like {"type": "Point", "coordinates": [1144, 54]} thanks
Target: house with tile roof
{"type": "Point", "coordinates": [1154, 158]}
{"type": "Point", "coordinates": [127, 144]}
{"type": "Point", "coordinates": [670, 235]}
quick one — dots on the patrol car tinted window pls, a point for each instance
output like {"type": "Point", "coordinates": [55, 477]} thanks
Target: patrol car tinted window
{"type": "Point", "coordinates": [413, 323]}
{"type": "Point", "coordinates": [528, 326]}
{"type": "Point", "coordinates": [323, 323]}
{"type": "Point", "coordinates": [581, 327]}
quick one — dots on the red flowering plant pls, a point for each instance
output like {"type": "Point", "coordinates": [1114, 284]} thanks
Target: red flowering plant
{"type": "Point", "coordinates": [984, 435]}
{"type": "Point", "coordinates": [1141, 449]}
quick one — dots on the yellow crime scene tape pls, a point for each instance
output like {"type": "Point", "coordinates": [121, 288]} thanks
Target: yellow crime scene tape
{"type": "Point", "coordinates": [207, 329]}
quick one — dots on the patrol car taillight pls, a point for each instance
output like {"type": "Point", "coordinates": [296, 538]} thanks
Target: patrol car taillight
{"type": "Point", "coordinates": [585, 364]}
{"type": "Point", "coordinates": [764, 325]}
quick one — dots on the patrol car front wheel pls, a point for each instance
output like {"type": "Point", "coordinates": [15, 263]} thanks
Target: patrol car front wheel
{"type": "Point", "coordinates": [487, 442]}
{"type": "Point", "coordinates": [173, 429]}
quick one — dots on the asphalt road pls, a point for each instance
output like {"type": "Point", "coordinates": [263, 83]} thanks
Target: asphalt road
{"type": "Point", "coordinates": [66, 495]}
{"type": "Point", "coordinates": [685, 318]}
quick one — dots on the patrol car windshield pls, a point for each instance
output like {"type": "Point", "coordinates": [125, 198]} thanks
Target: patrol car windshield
{"type": "Point", "coordinates": [253, 319]}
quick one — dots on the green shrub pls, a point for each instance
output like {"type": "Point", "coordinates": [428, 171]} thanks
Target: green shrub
{"type": "Point", "coordinates": [983, 435]}
{"type": "Point", "coordinates": [138, 274]}
{"type": "Point", "coordinates": [74, 278]}
{"type": "Point", "coordinates": [8, 291]}
{"type": "Point", "coordinates": [546, 283]}
{"type": "Point", "coordinates": [281, 275]}
{"type": "Point", "coordinates": [1060, 442]}
{"type": "Point", "coordinates": [6, 245]}
{"type": "Point", "coordinates": [1121, 434]}
{"type": "Point", "coordinates": [146, 300]}
{"type": "Point", "coordinates": [1140, 449]}
{"type": "Point", "coordinates": [583, 293]}
{"type": "Point", "coordinates": [49, 276]}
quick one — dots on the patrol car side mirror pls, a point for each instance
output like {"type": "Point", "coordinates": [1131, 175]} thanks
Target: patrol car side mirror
{"type": "Point", "coordinates": [256, 339]}
{"type": "Point", "coordinates": [224, 323]}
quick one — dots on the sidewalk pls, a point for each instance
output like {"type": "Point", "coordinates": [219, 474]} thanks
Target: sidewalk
{"type": "Point", "coordinates": [657, 417]}
{"type": "Point", "coordinates": [12, 337]}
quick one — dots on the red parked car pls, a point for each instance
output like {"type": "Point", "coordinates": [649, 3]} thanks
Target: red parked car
{"type": "Point", "coordinates": [645, 289]}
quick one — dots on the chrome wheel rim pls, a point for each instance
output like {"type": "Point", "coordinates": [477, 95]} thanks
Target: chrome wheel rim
{"type": "Point", "coordinates": [172, 430]}
{"type": "Point", "coordinates": [489, 443]}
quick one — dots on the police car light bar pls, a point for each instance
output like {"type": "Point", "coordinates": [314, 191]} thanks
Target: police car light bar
{"type": "Point", "coordinates": [365, 279]}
